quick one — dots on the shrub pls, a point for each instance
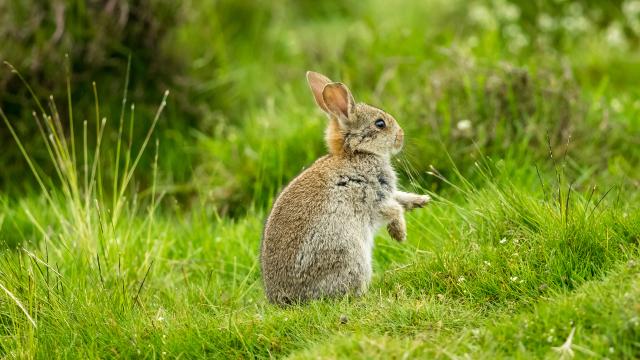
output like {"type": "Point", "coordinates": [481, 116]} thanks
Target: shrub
{"type": "Point", "coordinates": [97, 37]}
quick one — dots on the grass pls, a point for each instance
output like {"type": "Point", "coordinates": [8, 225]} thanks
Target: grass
{"type": "Point", "coordinates": [464, 283]}
{"type": "Point", "coordinates": [529, 250]}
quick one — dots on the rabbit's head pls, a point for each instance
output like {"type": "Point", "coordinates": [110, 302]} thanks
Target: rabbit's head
{"type": "Point", "coordinates": [354, 127]}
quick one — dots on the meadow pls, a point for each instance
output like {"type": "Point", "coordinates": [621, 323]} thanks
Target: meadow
{"type": "Point", "coordinates": [133, 198]}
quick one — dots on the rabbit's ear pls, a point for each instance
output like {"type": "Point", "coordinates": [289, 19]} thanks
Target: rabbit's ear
{"type": "Point", "coordinates": [339, 102]}
{"type": "Point", "coordinates": [317, 82]}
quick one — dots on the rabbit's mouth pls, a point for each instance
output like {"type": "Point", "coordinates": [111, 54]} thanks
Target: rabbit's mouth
{"type": "Point", "coordinates": [397, 144]}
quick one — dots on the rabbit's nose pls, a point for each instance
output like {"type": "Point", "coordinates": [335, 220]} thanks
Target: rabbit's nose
{"type": "Point", "coordinates": [400, 137]}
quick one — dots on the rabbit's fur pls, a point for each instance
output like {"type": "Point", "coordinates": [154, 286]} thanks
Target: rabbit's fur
{"type": "Point", "coordinates": [318, 238]}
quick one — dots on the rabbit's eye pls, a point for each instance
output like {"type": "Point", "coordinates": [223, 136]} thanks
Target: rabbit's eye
{"type": "Point", "coordinates": [380, 124]}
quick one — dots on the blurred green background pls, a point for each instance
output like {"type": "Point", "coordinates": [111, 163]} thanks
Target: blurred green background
{"type": "Point", "coordinates": [499, 78]}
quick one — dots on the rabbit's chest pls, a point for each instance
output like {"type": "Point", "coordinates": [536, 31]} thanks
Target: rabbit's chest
{"type": "Point", "coordinates": [365, 192]}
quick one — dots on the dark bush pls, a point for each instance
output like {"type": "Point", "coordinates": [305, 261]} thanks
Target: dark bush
{"type": "Point", "coordinates": [98, 36]}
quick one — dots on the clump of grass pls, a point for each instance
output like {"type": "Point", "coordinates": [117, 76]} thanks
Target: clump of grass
{"type": "Point", "coordinates": [523, 244]}
{"type": "Point", "coordinates": [88, 219]}
{"type": "Point", "coordinates": [601, 315]}
{"type": "Point", "coordinates": [79, 171]}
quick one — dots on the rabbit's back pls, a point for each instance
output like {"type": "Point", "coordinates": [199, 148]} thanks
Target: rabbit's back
{"type": "Point", "coordinates": [318, 237]}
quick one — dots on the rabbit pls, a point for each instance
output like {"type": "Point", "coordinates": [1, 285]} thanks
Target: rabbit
{"type": "Point", "coordinates": [318, 238]}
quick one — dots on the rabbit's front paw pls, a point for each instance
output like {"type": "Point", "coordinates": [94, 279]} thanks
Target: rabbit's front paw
{"type": "Point", "coordinates": [420, 201]}
{"type": "Point", "coordinates": [411, 201]}
{"type": "Point", "coordinates": [397, 230]}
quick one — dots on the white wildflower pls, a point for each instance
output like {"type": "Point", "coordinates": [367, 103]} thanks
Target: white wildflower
{"type": "Point", "coordinates": [507, 11]}
{"type": "Point", "coordinates": [616, 105]}
{"type": "Point", "coordinates": [565, 350]}
{"type": "Point", "coordinates": [482, 16]}
{"type": "Point", "coordinates": [516, 37]}
{"type": "Point", "coordinates": [464, 125]}
{"type": "Point", "coordinates": [576, 24]}
{"type": "Point", "coordinates": [631, 11]}
{"type": "Point", "coordinates": [631, 8]}
{"type": "Point", "coordinates": [615, 36]}
{"type": "Point", "coordinates": [160, 315]}
{"type": "Point", "coordinates": [546, 22]}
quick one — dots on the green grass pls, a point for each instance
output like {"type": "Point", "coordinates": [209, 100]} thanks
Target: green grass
{"type": "Point", "coordinates": [532, 240]}
{"type": "Point", "coordinates": [473, 272]}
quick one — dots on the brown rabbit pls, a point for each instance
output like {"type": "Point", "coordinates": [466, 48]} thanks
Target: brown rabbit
{"type": "Point", "coordinates": [318, 238]}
